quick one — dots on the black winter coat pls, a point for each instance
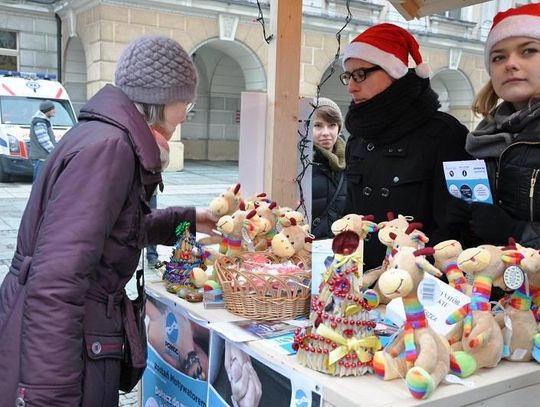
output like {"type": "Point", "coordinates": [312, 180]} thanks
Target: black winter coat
{"type": "Point", "coordinates": [397, 167]}
{"type": "Point", "coordinates": [324, 184]}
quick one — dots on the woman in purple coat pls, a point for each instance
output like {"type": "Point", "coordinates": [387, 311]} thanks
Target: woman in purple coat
{"type": "Point", "coordinates": [80, 238]}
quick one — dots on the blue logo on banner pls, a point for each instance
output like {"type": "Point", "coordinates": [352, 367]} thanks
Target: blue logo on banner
{"type": "Point", "coordinates": [300, 399]}
{"type": "Point", "coordinates": [171, 327]}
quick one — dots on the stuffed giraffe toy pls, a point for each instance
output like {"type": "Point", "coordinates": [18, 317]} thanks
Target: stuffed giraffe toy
{"type": "Point", "coordinates": [239, 230]}
{"type": "Point", "coordinates": [520, 331]}
{"type": "Point", "coordinates": [409, 237]}
{"type": "Point", "coordinates": [446, 255]}
{"type": "Point", "coordinates": [268, 218]}
{"type": "Point", "coordinates": [427, 353]}
{"type": "Point", "coordinates": [293, 240]}
{"type": "Point", "coordinates": [225, 204]}
{"type": "Point", "coordinates": [477, 340]}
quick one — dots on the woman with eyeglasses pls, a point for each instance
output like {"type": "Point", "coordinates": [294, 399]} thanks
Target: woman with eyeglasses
{"type": "Point", "coordinates": [399, 139]}
{"type": "Point", "coordinates": [64, 321]}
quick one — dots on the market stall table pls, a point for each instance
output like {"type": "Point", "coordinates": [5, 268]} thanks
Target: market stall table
{"type": "Point", "coordinates": [509, 382]}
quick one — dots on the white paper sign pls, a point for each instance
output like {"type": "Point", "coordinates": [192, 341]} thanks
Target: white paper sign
{"type": "Point", "coordinates": [440, 300]}
{"type": "Point", "coordinates": [468, 180]}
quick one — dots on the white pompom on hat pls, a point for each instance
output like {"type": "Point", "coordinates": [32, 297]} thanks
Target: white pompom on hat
{"type": "Point", "coordinates": [388, 46]}
{"type": "Point", "coordinates": [521, 21]}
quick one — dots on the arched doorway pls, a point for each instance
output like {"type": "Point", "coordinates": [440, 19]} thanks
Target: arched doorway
{"type": "Point", "coordinates": [226, 68]}
{"type": "Point", "coordinates": [74, 77]}
{"type": "Point", "coordinates": [456, 94]}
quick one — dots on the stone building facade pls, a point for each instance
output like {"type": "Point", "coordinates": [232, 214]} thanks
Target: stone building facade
{"type": "Point", "coordinates": [81, 41]}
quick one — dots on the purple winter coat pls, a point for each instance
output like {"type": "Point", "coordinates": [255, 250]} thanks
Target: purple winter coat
{"type": "Point", "coordinates": [79, 243]}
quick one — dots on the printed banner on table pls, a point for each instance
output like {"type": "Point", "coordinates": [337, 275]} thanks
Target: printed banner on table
{"type": "Point", "coordinates": [239, 377]}
{"type": "Point", "coordinates": [177, 364]}
{"type": "Point", "coordinates": [468, 180]}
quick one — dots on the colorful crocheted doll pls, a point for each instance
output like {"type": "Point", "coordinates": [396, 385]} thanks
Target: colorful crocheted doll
{"type": "Point", "coordinates": [340, 340]}
{"type": "Point", "coordinates": [187, 254]}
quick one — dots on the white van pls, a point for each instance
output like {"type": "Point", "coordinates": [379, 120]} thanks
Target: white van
{"type": "Point", "coordinates": [20, 96]}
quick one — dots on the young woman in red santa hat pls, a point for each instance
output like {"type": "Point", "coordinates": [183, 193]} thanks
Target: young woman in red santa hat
{"type": "Point", "coordinates": [399, 139]}
{"type": "Point", "coordinates": [509, 136]}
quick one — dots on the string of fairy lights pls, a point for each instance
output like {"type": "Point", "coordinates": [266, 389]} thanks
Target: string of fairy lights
{"type": "Point", "coordinates": [303, 145]}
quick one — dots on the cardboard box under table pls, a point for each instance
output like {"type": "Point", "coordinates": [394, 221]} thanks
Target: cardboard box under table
{"type": "Point", "coordinates": [510, 383]}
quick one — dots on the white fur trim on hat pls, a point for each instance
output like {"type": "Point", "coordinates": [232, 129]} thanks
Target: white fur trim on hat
{"type": "Point", "coordinates": [387, 61]}
{"type": "Point", "coordinates": [423, 70]}
{"type": "Point", "coordinates": [512, 26]}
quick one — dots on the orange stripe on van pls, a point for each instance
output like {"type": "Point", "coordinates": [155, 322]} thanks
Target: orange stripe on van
{"type": "Point", "coordinates": [8, 90]}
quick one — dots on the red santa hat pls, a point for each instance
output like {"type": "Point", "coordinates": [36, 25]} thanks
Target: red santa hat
{"type": "Point", "coordinates": [388, 46]}
{"type": "Point", "coordinates": [522, 21]}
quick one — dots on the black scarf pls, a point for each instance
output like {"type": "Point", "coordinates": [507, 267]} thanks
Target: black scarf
{"type": "Point", "coordinates": [395, 112]}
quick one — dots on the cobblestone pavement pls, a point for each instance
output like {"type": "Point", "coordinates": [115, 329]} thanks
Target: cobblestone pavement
{"type": "Point", "coordinates": [196, 185]}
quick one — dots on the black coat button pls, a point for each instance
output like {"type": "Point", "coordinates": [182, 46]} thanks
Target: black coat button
{"type": "Point", "coordinates": [367, 191]}
{"type": "Point", "coordinates": [370, 147]}
{"type": "Point", "coordinates": [385, 192]}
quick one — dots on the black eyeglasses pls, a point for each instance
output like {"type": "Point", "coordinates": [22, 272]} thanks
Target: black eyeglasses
{"type": "Point", "coordinates": [358, 75]}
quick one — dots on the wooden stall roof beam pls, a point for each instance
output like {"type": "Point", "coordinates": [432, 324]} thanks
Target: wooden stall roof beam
{"type": "Point", "coordinates": [410, 9]}
{"type": "Point", "coordinates": [282, 114]}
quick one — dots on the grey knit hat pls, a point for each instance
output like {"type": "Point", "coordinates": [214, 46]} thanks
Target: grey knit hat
{"type": "Point", "coordinates": [46, 106]}
{"type": "Point", "coordinates": [331, 104]}
{"type": "Point", "coordinates": [156, 70]}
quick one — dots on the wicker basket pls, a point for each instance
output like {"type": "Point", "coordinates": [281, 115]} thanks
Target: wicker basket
{"type": "Point", "coordinates": [261, 296]}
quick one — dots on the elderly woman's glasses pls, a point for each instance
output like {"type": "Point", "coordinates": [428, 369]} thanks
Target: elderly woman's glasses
{"type": "Point", "coordinates": [358, 75]}
{"type": "Point", "coordinates": [190, 106]}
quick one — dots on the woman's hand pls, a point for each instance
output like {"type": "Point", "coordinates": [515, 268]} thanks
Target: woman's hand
{"type": "Point", "coordinates": [206, 221]}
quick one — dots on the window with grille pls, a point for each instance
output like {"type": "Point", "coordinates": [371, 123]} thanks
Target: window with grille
{"type": "Point", "coordinates": [9, 50]}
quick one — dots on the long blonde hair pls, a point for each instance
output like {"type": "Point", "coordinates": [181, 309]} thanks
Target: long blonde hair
{"type": "Point", "coordinates": [486, 100]}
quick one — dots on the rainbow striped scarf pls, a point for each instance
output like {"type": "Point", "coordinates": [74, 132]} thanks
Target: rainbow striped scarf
{"type": "Point", "coordinates": [535, 295]}
{"type": "Point", "coordinates": [455, 277]}
{"type": "Point", "coordinates": [479, 302]}
{"type": "Point", "coordinates": [416, 319]}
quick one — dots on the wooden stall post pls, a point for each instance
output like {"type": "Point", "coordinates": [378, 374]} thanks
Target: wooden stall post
{"type": "Point", "coordinates": [282, 114]}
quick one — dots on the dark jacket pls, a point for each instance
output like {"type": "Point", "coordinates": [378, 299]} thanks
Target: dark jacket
{"type": "Point", "coordinates": [509, 141]}
{"type": "Point", "coordinates": [516, 187]}
{"type": "Point", "coordinates": [324, 184]}
{"type": "Point", "coordinates": [79, 242]}
{"type": "Point", "coordinates": [394, 160]}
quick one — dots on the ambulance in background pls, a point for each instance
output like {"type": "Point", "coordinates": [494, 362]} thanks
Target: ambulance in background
{"type": "Point", "coordinates": [20, 96]}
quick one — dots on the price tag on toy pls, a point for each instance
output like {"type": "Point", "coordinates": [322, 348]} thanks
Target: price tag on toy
{"type": "Point", "coordinates": [513, 277]}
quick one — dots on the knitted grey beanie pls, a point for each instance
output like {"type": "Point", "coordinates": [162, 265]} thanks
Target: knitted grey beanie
{"type": "Point", "coordinates": [46, 106]}
{"type": "Point", "coordinates": [331, 104]}
{"type": "Point", "coordinates": [156, 70]}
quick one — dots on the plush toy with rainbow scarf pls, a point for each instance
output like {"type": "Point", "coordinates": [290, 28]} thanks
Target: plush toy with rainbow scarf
{"type": "Point", "coordinates": [477, 340]}
{"type": "Point", "coordinates": [520, 330]}
{"type": "Point", "coordinates": [446, 254]}
{"type": "Point", "coordinates": [427, 353]}
{"type": "Point", "coordinates": [239, 230]}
